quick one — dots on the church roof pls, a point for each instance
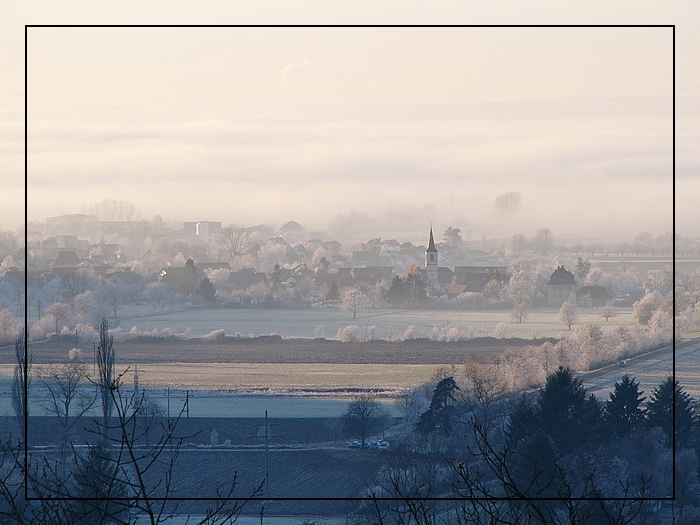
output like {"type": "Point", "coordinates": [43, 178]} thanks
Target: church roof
{"type": "Point", "coordinates": [431, 242]}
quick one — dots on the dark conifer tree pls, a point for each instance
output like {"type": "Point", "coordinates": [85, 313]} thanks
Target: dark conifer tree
{"type": "Point", "coordinates": [333, 294]}
{"type": "Point", "coordinates": [567, 414]}
{"type": "Point", "coordinates": [623, 411]}
{"type": "Point", "coordinates": [659, 411]}
{"type": "Point", "coordinates": [440, 415]}
{"type": "Point", "coordinates": [522, 423]}
{"type": "Point", "coordinates": [206, 290]}
{"type": "Point", "coordinates": [533, 466]}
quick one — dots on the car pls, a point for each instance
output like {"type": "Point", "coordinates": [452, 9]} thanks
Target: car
{"type": "Point", "coordinates": [374, 446]}
{"type": "Point", "coordinates": [355, 444]}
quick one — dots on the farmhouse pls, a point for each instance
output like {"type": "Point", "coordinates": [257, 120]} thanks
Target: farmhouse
{"type": "Point", "coordinates": [561, 287]}
{"type": "Point", "coordinates": [475, 278]}
{"type": "Point", "coordinates": [593, 296]}
{"type": "Point", "coordinates": [245, 278]}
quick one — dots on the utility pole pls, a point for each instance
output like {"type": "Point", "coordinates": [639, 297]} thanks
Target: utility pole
{"type": "Point", "coordinates": [267, 463]}
{"type": "Point", "coordinates": [168, 402]}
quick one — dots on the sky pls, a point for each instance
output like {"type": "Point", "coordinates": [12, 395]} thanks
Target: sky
{"type": "Point", "coordinates": [394, 127]}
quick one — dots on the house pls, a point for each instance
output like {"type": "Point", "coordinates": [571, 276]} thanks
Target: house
{"type": "Point", "coordinates": [201, 267]}
{"type": "Point", "coordinates": [292, 227]}
{"type": "Point", "coordinates": [370, 276]}
{"type": "Point", "coordinates": [475, 278]}
{"type": "Point", "coordinates": [593, 296]}
{"type": "Point", "coordinates": [66, 259]}
{"type": "Point", "coordinates": [65, 223]}
{"type": "Point", "coordinates": [245, 278]}
{"type": "Point", "coordinates": [561, 287]}
{"type": "Point", "coordinates": [445, 276]}
{"type": "Point", "coordinates": [205, 230]}
{"type": "Point", "coordinates": [126, 280]}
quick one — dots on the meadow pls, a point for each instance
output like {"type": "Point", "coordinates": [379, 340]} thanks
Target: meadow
{"type": "Point", "coordinates": [390, 323]}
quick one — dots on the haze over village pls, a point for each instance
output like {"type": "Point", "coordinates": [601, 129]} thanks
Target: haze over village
{"type": "Point", "coordinates": [350, 276]}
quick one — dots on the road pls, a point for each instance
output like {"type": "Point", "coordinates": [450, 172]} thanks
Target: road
{"type": "Point", "coordinates": [650, 369]}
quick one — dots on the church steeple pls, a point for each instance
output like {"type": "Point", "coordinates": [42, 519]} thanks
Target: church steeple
{"type": "Point", "coordinates": [431, 242]}
{"type": "Point", "coordinates": [431, 260]}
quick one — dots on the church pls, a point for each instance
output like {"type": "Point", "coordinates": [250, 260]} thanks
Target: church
{"type": "Point", "coordinates": [439, 278]}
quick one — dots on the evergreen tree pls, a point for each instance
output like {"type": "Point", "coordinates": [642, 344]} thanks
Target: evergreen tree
{"type": "Point", "coordinates": [98, 489]}
{"type": "Point", "coordinates": [581, 268]}
{"type": "Point", "coordinates": [439, 416]}
{"type": "Point", "coordinates": [533, 466]}
{"type": "Point", "coordinates": [659, 411]}
{"type": "Point", "coordinates": [567, 415]}
{"type": "Point", "coordinates": [522, 423]}
{"type": "Point", "coordinates": [206, 290]}
{"type": "Point", "coordinates": [276, 276]}
{"type": "Point", "coordinates": [406, 292]}
{"type": "Point", "coordinates": [623, 411]}
{"type": "Point", "coordinates": [189, 277]}
{"type": "Point", "coordinates": [333, 294]}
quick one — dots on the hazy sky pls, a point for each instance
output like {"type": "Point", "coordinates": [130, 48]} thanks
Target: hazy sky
{"type": "Point", "coordinates": [252, 125]}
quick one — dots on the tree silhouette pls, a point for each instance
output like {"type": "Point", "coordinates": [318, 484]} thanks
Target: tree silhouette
{"type": "Point", "coordinates": [522, 423]}
{"type": "Point", "coordinates": [440, 415]}
{"type": "Point", "coordinates": [568, 416]}
{"type": "Point", "coordinates": [623, 411]}
{"type": "Point", "coordinates": [659, 411]}
{"type": "Point", "coordinates": [362, 417]}
{"type": "Point", "coordinates": [206, 290]}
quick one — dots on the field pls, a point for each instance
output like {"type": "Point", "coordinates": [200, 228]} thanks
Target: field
{"type": "Point", "coordinates": [312, 322]}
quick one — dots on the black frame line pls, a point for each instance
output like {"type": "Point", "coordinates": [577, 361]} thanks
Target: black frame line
{"type": "Point", "coordinates": [339, 26]}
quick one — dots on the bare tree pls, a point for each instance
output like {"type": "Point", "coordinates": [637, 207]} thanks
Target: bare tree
{"type": "Point", "coordinates": [233, 240]}
{"type": "Point", "coordinates": [544, 239]}
{"type": "Point", "coordinates": [607, 312]}
{"type": "Point", "coordinates": [116, 478]}
{"type": "Point", "coordinates": [61, 312]}
{"type": "Point", "coordinates": [353, 299]}
{"type": "Point", "coordinates": [66, 399]}
{"type": "Point", "coordinates": [363, 417]}
{"type": "Point", "coordinates": [568, 314]}
{"type": "Point", "coordinates": [519, 312]}
{"type": "Point", "coordinates": [106, 379]}
{"type": "Point", "coordinates": [21, 382]}
{"type": "Point", "coordinates": [508, 203]}
{"type": "Point", "coordinates": [77, 282]}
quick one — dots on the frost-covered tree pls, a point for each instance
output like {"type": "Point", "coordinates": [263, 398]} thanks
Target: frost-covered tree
{"type": "Point", "coordinates": [544, 240]}
{"type": "Point", "coordinates": [8, 326]}
{"type": "Point", "coordinates": [521, 286]}
{"type": "Point", "coordinates": [644, 309]}
{"type": "Point", "coordinates": [568, 314]}
{"type": "Point", "coordinates": [233, 241]}
{"type": "Point", "coordinates": [607, 312]}
{"type": "Point", "coordinates": [61, 313]}
{"type": "Point", "coordinates": [353, 299]}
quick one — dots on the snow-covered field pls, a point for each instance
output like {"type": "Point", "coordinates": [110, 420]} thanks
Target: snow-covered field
{"type": "Point", "coordinates": [313, 322]}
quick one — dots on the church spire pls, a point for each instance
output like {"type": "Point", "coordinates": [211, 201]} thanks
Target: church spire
{"type": "Point", "coordinates": [431, 242]}
{"type": "Point", "coordinates": [431, 260]}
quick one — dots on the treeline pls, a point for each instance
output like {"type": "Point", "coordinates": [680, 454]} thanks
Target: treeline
{"type": "Point", "coordinates": [559, 455]}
